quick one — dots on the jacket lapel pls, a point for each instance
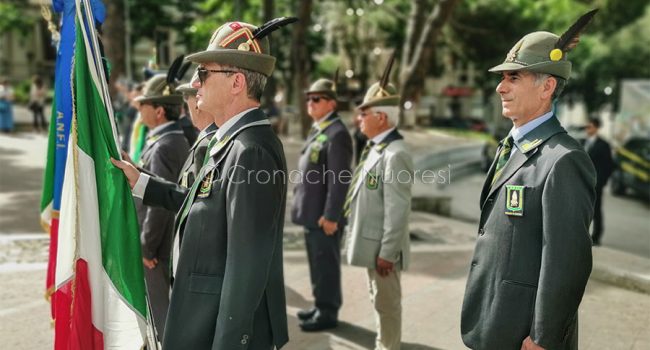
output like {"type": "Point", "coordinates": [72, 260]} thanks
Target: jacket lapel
{"type": "Point", "coordinates": [210, 130]}
{"type": "Point", "coordinates": [155, 137]}
{"type": "Point", "coordinates": [219, 152]}
{"type": "Point", "coordinates": [514, 163]}
{"type": "Point", "coordinates": [331, 119]}
{"type": "Point", "coordinates": [527, 146]}
{"type": "Point", "coordinates": [376, 153]}
{"type": "Point", "coordinates": [488, 179]}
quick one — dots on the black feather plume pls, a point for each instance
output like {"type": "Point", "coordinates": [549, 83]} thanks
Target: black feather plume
{"type": "Point", "coordinates": [565, 40]}
{"type": "Point", "coordinates": [268, 27]}
{"type": "Point", "coordinates": [182, 70]}
{"type": "Point", "coordinates": [384, 78]}
{"type": "Point", "coordinates": [173, 69]}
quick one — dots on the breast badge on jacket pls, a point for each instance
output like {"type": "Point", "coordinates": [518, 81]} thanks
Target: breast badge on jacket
{"type": "Point", "coordinates": [206, 185]}
{"type": "Point", "coordinates": [515, 200]}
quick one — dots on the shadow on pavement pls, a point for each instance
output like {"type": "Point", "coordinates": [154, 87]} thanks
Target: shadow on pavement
{"type": "Point", "coordinates": [22, 215]}
{"type": "Point", "coordinates": [20, 187]}
{"type": "Point", "coordinates": [366, 338]}
{"type": "Point", "coordinates": [17, 178]}
{"type": "Point", "coordinates": [295, 299]}
{"type": "Point", "coordinates": [442, 265]}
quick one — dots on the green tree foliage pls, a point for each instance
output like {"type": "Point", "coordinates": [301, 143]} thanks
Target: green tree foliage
{"type": "Point", "coordinates": [149, 15]}
{"type": "Point", "coordinates": [606, 59]}
{"type": "Point", "coordinates": [13, 18]}
{"type": "Point", "coordinates": [613, 47]}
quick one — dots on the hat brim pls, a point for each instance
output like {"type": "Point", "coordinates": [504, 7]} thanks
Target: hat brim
{"type": "Point", "coordinates": [186, 90]}
{"type": "Point", "coordinates": [381, 101]}
{"type": "Point", "coordinates": [327, 93]}
{"type": "Point", "coordinates": [175, 99]}
{"type": "Point", "coordinates": [561, 69]}
{"type": "Point", "coordinates": [253, 61]}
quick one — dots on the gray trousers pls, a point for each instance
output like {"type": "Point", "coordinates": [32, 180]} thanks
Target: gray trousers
{"type": "Point", "coordinates": [158, 289]}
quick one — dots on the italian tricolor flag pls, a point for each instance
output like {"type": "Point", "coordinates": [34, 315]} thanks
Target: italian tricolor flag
{"type": "Point", "coordinates": [99, 271]}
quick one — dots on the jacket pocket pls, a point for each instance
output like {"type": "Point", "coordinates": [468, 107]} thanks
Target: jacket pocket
{"type": "Point", "coordinates": [205, 284]}
{"type": "Point", "coordinates": [510, 319]}
{"type": "Point", "coordinates": [373, 231]}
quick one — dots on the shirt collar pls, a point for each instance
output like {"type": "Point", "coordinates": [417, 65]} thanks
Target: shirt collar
{"type": "Point", "coordinates": [205, 131]}
{"type": "Point", "coordinates": [159, 128]}
{"type": "Point", "coordinates": [379, 138]}
{"type": "Point", "coordinates": [228, 124]}
{"type": "Point", "coordinates": [322, 119]}
{"type": "Point", "coordinates": [518, 133]}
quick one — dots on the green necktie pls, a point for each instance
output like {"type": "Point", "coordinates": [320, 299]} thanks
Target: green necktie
{"type": "Point", "coordinates": [213, 141]}
{"type": "Point", "coordinates": [355, 178]}
{"type": "Point", "coordinates": [199, 178]}
{"type": "Point", "coordinates": [504, 155]}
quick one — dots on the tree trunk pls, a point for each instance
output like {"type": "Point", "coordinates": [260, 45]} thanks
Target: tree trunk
{"type": "Point", "coordinates": [419, 48]}
{"type": "Point", "coordinates": [301, 60]}
{"type": "Point", "coordinates": [114, 43]}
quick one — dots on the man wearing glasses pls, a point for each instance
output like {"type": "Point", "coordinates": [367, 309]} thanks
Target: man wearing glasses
{"type": "Point", "coordinates": [378, 205]}
{"type": "Point", "coordinates": [318, 203]}
{"type": "Point", "coordinates": [228, 290]}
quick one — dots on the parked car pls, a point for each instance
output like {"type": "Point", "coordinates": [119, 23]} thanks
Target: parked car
{"type": "Point", "coordinates": [632, 167]}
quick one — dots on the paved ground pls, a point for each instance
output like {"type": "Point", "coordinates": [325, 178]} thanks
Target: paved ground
{"type": "Point", "coordinates": [626, 219]}
{"type": "Point", "coordinates": [610, 317]}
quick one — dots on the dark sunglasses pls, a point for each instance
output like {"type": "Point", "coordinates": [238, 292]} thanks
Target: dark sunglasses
{"type": "Point", "coordinates": [316, 99]}
{"type": "Point", "coordinates": [203, 73]}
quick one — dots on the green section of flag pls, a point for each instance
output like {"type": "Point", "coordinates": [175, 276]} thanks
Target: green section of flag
{"type": "Point", "coordinates": [120, 241]}
{"type": "Point", "coordinates": [48, 176]}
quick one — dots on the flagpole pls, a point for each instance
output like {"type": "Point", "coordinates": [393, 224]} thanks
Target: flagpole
{"type": "Point", "coordinates": [99, 69]}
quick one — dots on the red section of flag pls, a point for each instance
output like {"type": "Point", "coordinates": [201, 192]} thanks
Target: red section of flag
{"type": "Point", "coordinates": [61, 301]}
{"type": "Point", "coordinates": [51, 264]}
{"type": "Point", "coordinates": [83, 335]}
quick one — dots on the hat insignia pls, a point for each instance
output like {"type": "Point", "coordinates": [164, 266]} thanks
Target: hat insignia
{"type": "Point", "coordinates": [247, 45]}
{"type": "Point", "coordinates": [381, 93]}
{"type": "Point", "coordinates": [512, 55]}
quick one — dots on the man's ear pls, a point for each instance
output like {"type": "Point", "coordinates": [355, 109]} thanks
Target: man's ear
{"type": "Point", "coordinates": [550, 85]}
{"type": "Point", "coordinates": [160, 114]}
{"type": "Point", "coordinates": [239, 83]}
{"type": "Point", "coordinates": [384, 117]}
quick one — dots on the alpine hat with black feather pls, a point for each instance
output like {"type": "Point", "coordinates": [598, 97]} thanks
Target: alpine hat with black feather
{"type": "Point", "coordinates": [325, 87]}
{"type": "Point", "coordinates": [161, 88]}
{"type": "Point", "coordinates": [242, 45]}
{"type": "Point", "coordinates": [382, 93]}
{"type": "Point", "coordinates": [544, 52]}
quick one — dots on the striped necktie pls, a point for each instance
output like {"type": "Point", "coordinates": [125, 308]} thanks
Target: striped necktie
{"type": "Point", "coordinates": [312, 132]}
{"type": "Point", "coordinates": [355, 178]}
{"type": "Point", "coordinates": [213, 141]}
{"type": "Point", "coordinates": [504, 155]}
